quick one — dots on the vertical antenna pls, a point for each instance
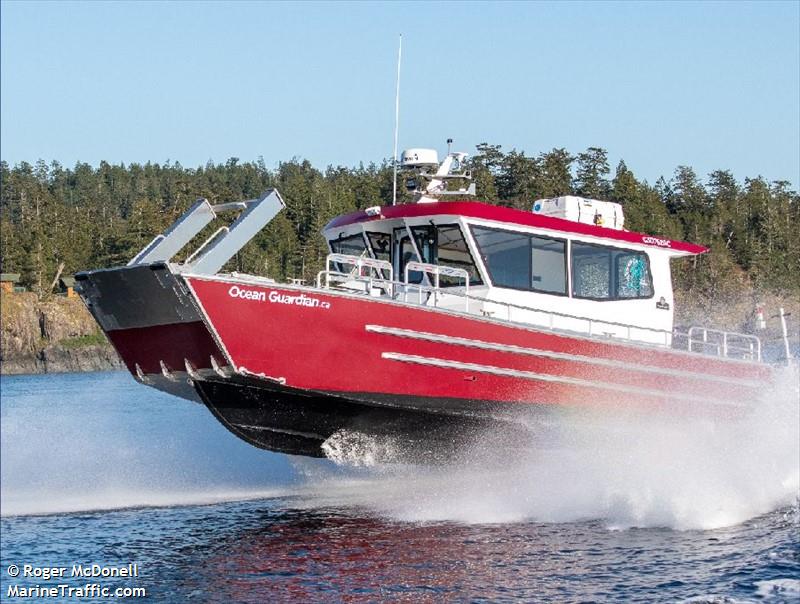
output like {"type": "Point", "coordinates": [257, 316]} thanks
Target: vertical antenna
{"type": "Point", "coordinates": [397, 118]}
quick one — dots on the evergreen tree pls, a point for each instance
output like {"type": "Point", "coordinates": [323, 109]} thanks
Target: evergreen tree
{"type": "Point", "coordinates": [592, 168]}
{"type": "Point", "coordinates": [91, 217]}
{"type": "Point", "coordinates": [555, 176]}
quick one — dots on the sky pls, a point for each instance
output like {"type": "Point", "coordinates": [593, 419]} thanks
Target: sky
{"type": "Point", "coordinates": [712, 85]}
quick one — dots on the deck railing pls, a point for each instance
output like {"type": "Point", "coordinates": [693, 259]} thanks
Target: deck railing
{"type": "Point", "coordinates": [370, 272]}
{"type": "Point", "coordinates": [723, 343]}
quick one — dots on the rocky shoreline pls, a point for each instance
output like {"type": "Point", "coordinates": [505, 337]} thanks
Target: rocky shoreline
{"type": "Point", "coordinates": [55, 335]}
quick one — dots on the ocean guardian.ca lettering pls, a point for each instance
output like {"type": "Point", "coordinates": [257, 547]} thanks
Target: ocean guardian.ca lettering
{"type": "Point", "coordinates": [246, 294]}
{"type": "Point", "coordinates": [277, 298]}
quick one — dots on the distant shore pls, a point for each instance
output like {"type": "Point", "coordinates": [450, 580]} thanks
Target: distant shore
{"type": "Point", "coordinates": [54, 335]}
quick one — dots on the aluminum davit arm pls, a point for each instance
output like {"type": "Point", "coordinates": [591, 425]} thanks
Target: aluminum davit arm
{"type": "Point", "coordinates": [220, 247]}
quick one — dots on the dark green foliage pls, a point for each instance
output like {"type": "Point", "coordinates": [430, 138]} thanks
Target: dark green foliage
{"type": "Point", "coordinates": [591, 172]}
{"type": "Point", "coordinates": [91, 217]}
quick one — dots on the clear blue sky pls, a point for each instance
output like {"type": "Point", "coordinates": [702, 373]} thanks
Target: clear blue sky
{"type": "Point", "coordinates": [712, 85]}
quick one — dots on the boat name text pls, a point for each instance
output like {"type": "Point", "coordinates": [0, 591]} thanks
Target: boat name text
{"type": "Point", "coordinates": [246, 294]}
{"type": "Point", "coordinates": [277, 297]}
{"type": "Point", "coordinates": [656, 241]}
{"type": "Point", "coordinates": [301, 300]}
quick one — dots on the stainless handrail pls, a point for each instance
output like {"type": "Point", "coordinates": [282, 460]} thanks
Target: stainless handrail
{"type": "Point", "coordinates": [753, 348]}
{"type": "Point", "coordinates": [721, 341]}
{"type": "Point", "coordinates": [358, 262]}
{"type": "Point", "coordinates": [404, 286]}
{"type": "Point", "coordinates": [436, 270]}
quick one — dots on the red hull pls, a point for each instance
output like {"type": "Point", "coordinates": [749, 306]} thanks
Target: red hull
{"type": "Point", "coordinates": [353, 345]}
{"type": "Point", "coordinates": [172, 344]}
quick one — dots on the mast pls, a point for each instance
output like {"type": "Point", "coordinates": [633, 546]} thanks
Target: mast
{"type": "Point", "coordinates": [396, 118]}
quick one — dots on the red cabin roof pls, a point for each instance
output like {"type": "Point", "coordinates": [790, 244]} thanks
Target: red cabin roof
{"type": "Point", "coordinates": [471, 209]}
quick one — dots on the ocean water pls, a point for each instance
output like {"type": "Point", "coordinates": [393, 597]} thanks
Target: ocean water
{"type": "Point", "coordinates": [96, 469]}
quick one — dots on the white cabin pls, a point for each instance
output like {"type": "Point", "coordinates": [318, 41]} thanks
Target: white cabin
{"type": "Point", "coordinates": [567, 265]}
{"type": "Point", "coordinates": [524, 267]}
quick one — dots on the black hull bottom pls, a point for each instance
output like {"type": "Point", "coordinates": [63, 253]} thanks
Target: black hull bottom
{"type": "Point", "coordinates": [277, 418]}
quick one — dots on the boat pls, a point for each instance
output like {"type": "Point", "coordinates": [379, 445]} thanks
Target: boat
{"type": "Point", "coordinates": [431, 321]}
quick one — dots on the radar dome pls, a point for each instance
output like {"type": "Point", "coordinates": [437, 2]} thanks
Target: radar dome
{"type": "Point", "coordinates": [419, 157]}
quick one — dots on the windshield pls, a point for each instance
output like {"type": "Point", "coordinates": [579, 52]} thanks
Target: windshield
{"type": "Point", "coordinates": [445, 245]}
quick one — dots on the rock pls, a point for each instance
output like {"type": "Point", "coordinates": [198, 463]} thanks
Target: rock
{"type": "Point", "coordinates": [19, 322]}
{"type": "Point", "coordinates": [54, 335]}
{"type": "Point", "coordinates": [95, 357]}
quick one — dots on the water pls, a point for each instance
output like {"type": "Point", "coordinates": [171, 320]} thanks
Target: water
{"type": "Point", "coordinates": [97, 469]}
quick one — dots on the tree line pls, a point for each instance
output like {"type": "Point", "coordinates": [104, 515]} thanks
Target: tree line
{"type": "Point", "coordinates": [91, 217]}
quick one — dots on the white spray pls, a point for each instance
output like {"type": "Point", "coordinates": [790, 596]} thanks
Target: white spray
{"type": "Point", "coordinates": [640, 471]}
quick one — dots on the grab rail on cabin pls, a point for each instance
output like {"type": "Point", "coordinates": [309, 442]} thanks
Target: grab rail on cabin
{"type": "Point", "coordinates": [437, 270]}
{"type": "Point", "coordinates": [698, 339]}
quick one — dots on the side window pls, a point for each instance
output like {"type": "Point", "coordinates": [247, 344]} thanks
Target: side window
{"type": "Point", "coordinates": [591, 271]}
{"type": "Point", "coordinates": [381, 244]}
{"type": "Point", "coordinates": [605, 273]}
{"type": "Point", "coordinates": [633, 275]}
{"type": "Point", "coordinates": [445, 245]}
{"type": "Point", "coordinates": [549, 265]}
{"type": "Point", "coordinates": [351, 246]}
{"type": "Point", "coordinates": [521, 261]}
{"type": "Point", "coordinates": [507, 256]}
{"type": "Point", "coordinates": [452, 251]}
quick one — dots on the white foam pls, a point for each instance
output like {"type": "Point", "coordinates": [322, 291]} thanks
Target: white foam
{"type": "Point", "coordinates": [643, 471]}
{"type": "Point", "coordinates": [631, 471]}
{"type": "Point", "coordinates": [781, 588]}
{"type": "Point", "coordinates": [90, 442]}
{"type": "Point", "coordinates": [347, 447]}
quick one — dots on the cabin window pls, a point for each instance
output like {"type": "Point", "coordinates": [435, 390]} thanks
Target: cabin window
{"type": "Point", "coordinates": [381, 245]}
{"type": "Point", "coordinates": [591, 271]}
{"type": "Point", "coordinates": [445, 245]}
{"type": "Point", "coordinates": [351, 246]}
{"type": "Point", "coordinates": [506, 255]}
{"type": "Point", "coordinates": [521, 261]}
{"type": "Point", "coordinates": [405, 254]}
{"type": "Point", "coordinates": [606, 273]}
{"type": "Point", "coordinates": [548, 265]}
{"type": "Point", "coordinates": [633, 275]}
{"type": "Point", "coordinates": [452, 251]}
